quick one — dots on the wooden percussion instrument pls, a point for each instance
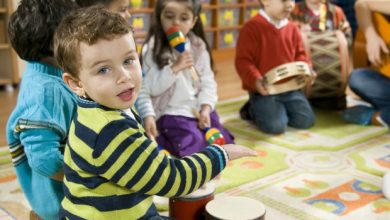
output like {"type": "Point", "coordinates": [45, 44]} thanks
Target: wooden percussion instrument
{"type": "Point", "coordinates": [329, 53]}
{"type": "Point", "coordinates": [235, 208]}
{"type": "Point", "coordinates": [287, 77]}
{"type": "Point", "coordinates": [191, 206]}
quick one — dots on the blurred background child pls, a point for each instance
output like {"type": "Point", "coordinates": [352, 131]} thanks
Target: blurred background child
{"type": "Point", "coordinates": [38, 126]}
{"type": "Point", "coordinates": [271, 30]}
{"type": "Point", "coordinates": [169, 82]}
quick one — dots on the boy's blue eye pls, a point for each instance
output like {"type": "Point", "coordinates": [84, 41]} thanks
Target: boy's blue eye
{"type": "Point", "coordinates": [129, 61]}
{"type": "Point", "coordinates": [103, 70]}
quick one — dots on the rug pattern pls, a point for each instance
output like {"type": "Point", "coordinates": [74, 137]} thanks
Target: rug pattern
{"type": "Point", "coordinates": [331, 171]}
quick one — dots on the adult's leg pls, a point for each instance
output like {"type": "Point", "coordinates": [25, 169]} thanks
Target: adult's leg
{"type": "Point", "coordinates": [372, 86]}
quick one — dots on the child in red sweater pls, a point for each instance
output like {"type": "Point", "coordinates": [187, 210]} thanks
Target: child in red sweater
{"type": "Point", "coordinates": [266, 41]}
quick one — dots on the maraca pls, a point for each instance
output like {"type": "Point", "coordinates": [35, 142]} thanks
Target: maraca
{"type": "Point", "coordinates": [178, 41]}
{"type": "Point", "coordinates": [214, 136]}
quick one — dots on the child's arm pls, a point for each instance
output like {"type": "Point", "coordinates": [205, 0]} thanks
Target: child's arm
{"type": "Point", "coordinates": [42, 148]}
{"type": "Point", "coordinates": [144, 107]}
{"type": "Point", "coordinates": [158, 80]}
{"type": "Point", "coordinates": [136, 163]}
{"type": "Point", "coordinates": [246, 53]}
{"type": "Point", "coordinates": [300, 53]}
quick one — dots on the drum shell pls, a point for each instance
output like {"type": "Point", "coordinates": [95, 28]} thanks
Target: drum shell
{"type": "Point", "coordinates": [188, 208]}
{"type": "Point", "coordinates": [330, 55]}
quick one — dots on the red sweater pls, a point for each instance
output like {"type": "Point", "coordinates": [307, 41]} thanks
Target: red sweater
{"type": "Point", "coordinates": [261, 47]}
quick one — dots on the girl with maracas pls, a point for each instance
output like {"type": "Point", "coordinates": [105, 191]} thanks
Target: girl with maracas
{"type": "Point", "coordinates": [178, 78]}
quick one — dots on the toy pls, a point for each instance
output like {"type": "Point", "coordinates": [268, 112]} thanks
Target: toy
{"type": "Point", "coordinates": [178, 41]}
{"type": "Point", "coordinates": [214, 136]}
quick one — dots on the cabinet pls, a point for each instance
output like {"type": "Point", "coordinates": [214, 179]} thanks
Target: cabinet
{"type": "Point", "coordinates": [9, 73]}
{"type": "Point", "coordinates": [222, 20]}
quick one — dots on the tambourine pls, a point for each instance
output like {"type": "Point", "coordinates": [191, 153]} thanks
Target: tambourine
{"type": "Point", "coordinates": [287, 77]}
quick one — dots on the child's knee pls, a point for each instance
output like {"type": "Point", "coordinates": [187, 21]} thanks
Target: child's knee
{"type": "Point", "coordinates": [273, 127]}
{"type": "Point", "coordinates": [304, 123]}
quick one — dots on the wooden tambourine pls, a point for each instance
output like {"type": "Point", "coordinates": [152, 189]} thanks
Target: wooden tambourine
{"type": "Point", "coordinates": [287, 77]}
{"type": "Point", "coordinates": [235, 208]}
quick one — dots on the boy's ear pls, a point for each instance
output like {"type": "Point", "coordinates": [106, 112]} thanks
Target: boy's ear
{"type": "Point", "coordinates": [74, 84]}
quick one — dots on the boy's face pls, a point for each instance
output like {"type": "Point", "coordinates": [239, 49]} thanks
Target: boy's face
{"type": "Point", "coordinates": [121, 7]}
{"type": "Point", "coordinates": [278, 9]}
{"type": "Point", "coordinates": [177, 14]}
{"type": "Point", "coordinates": [110, 72]}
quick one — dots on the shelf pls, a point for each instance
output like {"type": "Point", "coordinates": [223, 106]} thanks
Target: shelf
{"type": "Point", "coordinates": [5, 82]}
{"type": "Point", "coordinates": [230, 27]}
{"type": "Point", "coordinates": [4, 46]}
{"type": "Point", "coordinates": [140, 10]}
{"type": "Point", "coordinates": [9, 71]}
{"type": "Point", "coordinates": [222, 20]}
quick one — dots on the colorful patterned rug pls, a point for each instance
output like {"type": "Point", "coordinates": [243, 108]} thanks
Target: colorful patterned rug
{"type": "Point", "coordinates": [331, 171]}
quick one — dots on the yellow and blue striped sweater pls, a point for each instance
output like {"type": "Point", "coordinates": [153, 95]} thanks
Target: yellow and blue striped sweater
{"type": "Point", "coordinates": [112, 169]}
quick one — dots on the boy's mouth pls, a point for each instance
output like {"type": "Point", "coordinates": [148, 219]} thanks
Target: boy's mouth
{"type": "Point", "coordinates": [126, 95]}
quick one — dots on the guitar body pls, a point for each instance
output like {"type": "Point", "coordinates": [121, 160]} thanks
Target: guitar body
{"type": "Point", "coordinates": [360, 58]}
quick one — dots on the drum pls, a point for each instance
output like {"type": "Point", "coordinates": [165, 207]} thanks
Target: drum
{"type": "Point", "coordinates": [191, 206]}
{"type": "Point", "coordinates": [235, 208]}
{"type": "Point", "coordinates": [330, 56]}
{"type": "Point", "coordinates": [287, 77]}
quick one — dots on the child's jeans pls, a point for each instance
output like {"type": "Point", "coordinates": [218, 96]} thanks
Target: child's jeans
{"type": "Point", "coordinates": [373, 87]}
{"type": "Point", "coordinates": [273, 113]}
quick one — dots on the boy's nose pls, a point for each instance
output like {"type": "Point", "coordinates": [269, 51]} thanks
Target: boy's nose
{"type": "Point", "coordinates": [125, 76]}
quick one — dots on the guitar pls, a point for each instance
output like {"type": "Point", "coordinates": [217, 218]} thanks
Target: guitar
{"type": "Point", "coordinates": [360, 58]}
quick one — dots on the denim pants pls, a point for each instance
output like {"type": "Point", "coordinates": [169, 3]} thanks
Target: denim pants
{"type": "Point", "coordinates": [273, 113]}
{"type": "Point", "coordinates": [373, 87]}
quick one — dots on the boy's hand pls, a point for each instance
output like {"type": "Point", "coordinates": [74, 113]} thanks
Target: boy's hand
{"type": "Point", "coordinates": [345, 27]}
{"type": "Point", "coordinates": [260, 87]}
{"type": "Point", "coordinates": [313, 77]}
{"type": "Point", "coordinates": [183, 61]}
{"type": "Point", "coordinates": [150, 127]}
{"type": "Point", "coordinates": [235, 151]}
{"type": "Point", "coordinates": [204, 117]}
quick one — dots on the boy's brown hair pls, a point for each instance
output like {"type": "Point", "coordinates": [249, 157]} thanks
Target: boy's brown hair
{"type": "Point", "coordinates": [86, 25]}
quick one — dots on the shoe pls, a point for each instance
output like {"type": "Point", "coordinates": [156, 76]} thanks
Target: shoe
{"type": "Point", "coordinates": [244, 112]}
{"type": "Point", "coordinates": [359, 114]}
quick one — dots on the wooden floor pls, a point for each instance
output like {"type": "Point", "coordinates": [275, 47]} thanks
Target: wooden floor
{"type": "Point", "coordinates": [229, 86]}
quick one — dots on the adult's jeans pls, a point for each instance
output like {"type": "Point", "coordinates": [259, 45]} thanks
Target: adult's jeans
{"type": "Point", "coordinates": [373, 87]}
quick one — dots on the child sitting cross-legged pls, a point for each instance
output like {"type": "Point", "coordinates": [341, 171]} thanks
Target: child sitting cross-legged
{"type": "Point", "coordinates": [112, 168]}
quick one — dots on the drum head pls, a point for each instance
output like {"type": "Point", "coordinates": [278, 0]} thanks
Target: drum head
{"type": "Point", "coordinates": [205, 191]}
{"type": "Point", "coordinates": [235, 208]}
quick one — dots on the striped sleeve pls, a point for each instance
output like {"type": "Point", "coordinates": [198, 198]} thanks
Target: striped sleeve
{"type": "Point", "coordinates": [124, 155]}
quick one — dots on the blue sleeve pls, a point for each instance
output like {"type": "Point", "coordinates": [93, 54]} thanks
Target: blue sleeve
{"type": "Point", "coordinates": [42, 148]}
